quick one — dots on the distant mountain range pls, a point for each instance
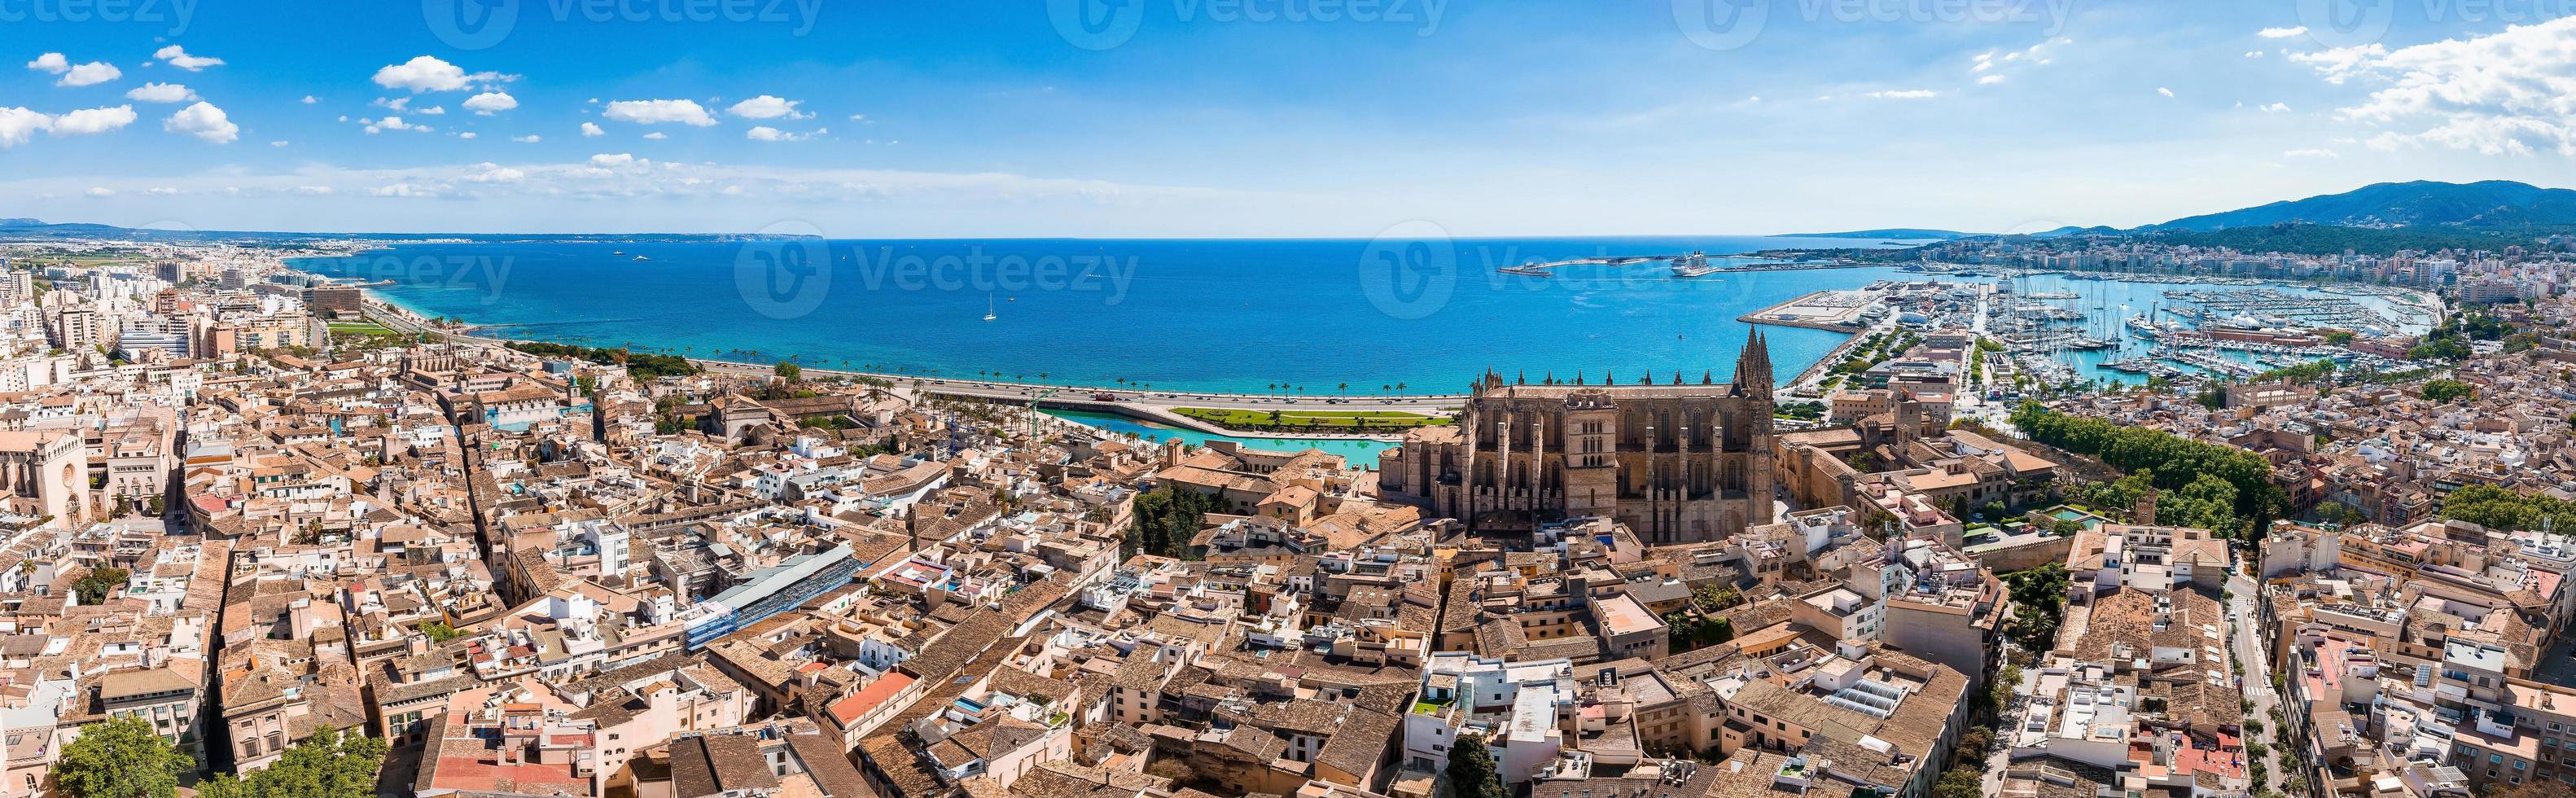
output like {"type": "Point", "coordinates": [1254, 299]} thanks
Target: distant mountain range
{"type": "Point", "coordinates": [2483, 206]}
{"type": "Point", "coordinates": [1895, 233]}
{"type": "Point", "coordinates": [2488, 203]}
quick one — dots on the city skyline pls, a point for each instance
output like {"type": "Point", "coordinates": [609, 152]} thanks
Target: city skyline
{"type": "Point", "coordinates": [1208, 120]}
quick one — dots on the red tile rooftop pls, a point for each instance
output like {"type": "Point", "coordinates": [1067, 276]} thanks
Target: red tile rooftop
{"type": "Point", "coordinates": [849, 709]}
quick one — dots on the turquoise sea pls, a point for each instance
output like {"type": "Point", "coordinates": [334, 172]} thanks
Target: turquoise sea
{"type": "Point", "coordinates": [1356, 317]}
{"type": "Point", "coordinates": [1290, 316]}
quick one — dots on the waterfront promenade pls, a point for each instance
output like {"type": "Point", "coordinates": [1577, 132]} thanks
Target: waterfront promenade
{"type": "Point", "coordinates": [1152, 406]}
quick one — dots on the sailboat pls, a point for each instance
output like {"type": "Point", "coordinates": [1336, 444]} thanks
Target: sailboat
{"type": "Point", "coordinates": [988, 308]}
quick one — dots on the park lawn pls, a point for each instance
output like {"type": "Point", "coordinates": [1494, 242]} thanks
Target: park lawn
{"type": "Point", "coordinates": [359, 328]}
{"type": "Point", "coordinates": [1256, 419]}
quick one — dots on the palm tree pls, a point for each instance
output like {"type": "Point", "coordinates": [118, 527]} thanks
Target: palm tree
{"type": "Point", "coordinates": [1399, 389]}
{"type": "Point", "coordinates": [1343, 388]}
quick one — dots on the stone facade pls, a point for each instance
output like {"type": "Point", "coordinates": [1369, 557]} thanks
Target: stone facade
{"type": "Point", "coordinates": [1677, 463]}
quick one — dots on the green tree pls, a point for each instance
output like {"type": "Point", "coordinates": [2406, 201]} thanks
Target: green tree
{"type": "Point", "coordinates": [789, 372]}
{"type": "Point", "coordinates": [2039, 603]}
{"type": "Point", "coordinates": [1712, 597]}
{"type": "Point", "coordinates": [95, 586]}
{"type": "Point", "coordinates": [438, 632]}
{"type": "Point", "coordinates": [329, 764]}
{"type": "Point", "coordinates": [121, 758]}
{"type": "Point", "coordinates": [1166, 519]}
{"type": "Point", "coordinates": [1960, 782]}
{"type": "Point", "coordinates": [1471, 769]}
{"type": "Point", "coordinates": [2448, 391]}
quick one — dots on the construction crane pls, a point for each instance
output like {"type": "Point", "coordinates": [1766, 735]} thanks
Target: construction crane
{"type": "Point", "coordinates": [1036, 394]}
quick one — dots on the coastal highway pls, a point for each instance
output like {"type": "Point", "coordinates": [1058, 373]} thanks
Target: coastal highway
{"type": "Point", "coordinates": [1012, 391]}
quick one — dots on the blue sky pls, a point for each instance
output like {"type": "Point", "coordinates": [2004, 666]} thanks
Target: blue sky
{"type": "Point", "coordinates": [1235, 118]}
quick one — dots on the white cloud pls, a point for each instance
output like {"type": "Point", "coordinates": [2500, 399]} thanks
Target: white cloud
{"type": "Point", "coordinates": [162, 191]}
{"type": "Point", "coordinates": [527, 139]}
{"type": "Point", "coordinates": [204, 121]}
{"type": "Point", "coordinates": [160, 93]}
{"type": "Point", "coordinates": [429, 73]}
{"type": "Point", "coordinates": [767, 133]}
{"type": "Point", "coordinates": [396, 103]}
{"type": "Point", "coordinates": [495, 173]}
{"type": "Point", "coordinates": [768, 107]}
{"type": "Point", "coordinates": [653, 112]}
{"type": "Point", "coordinates": [2312, 153]}
{"type": "Point", "coordinates": [2505, 93]}
{"type": "Point", "coordinates": [468, 135]}
{"type": "Point", "coordinates": [392, 123]}
{"type": "Point", "coordinates": [605, 160]}
{"type": "Point", "coordinates": [2253, 53]}
{"type": "Point", "coordinates": [280, 143]}
{"type": "Point", "coordinates": [2343, 63]}
{"type": "Point", "coordinates": [2276, 108]}
{"type": "Point", "coordinates": [434, 110]}
{"type": "Point", "coordinates": [314, 191]}
{"type": "Point", "coordinates": [1990, 80]}
{"type": "Point", "coordinates": [17, 125]}
{"type": "Point", "coordinates": [491, 102]}
{"type": "Point", "coordinates": [2282, 33]}
{"type": "Point", "coordinates": [51, 63]}
{"type": "Point", "coordinates": [858, 117]}
{"type": "Point", "coordinates": [2164, 91]}
{"type": "Point", "coordinates": [180, 58]}
{"type": "Point", "coordinates": [101, 191]}
{"type": "Point", "coordinates": [656, 136]}
{"type": "Point", "coordinates": [310, 99]}
{"type": "Point", "coordinates": [1903, 94]}
{"type": "Point", "coordinates": [94, 120]}
{"type": "Point", "coordinates": [589, 129]}
{"type": "Point", "coordinates": [89, 74]}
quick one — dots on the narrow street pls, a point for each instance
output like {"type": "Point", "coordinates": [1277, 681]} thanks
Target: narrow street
{"type": "Point", "coordinates": [2247, 648]}
{"type": "Point", "coordinates": [2008, 727]}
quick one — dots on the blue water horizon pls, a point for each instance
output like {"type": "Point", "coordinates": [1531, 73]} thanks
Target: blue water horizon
{"type": "Point", "coordinates": [1311, 316]}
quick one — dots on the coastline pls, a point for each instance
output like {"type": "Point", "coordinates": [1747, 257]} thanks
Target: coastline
{"type": "Point", "coordinates": [383, 310]}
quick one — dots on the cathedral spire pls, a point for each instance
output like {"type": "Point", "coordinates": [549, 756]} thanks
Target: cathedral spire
{"type": "Point", "coordinates": [1753, 368]}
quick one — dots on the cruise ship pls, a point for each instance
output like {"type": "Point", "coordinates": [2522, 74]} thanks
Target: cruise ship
{"type": "Point", "coordinates": [1692, 265]}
